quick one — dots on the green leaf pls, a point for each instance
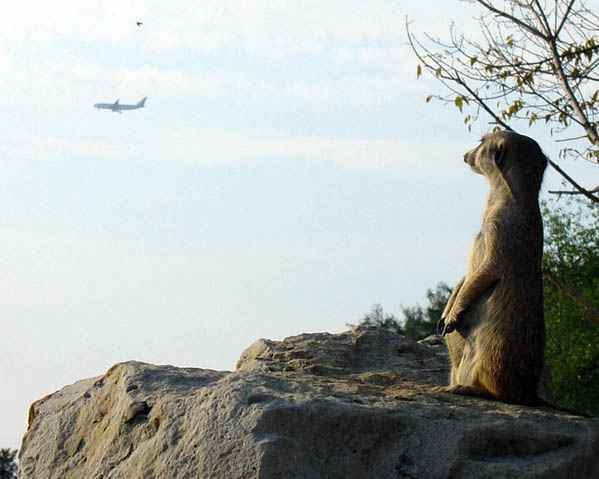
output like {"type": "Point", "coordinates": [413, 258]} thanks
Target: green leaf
{"type": "Point", "coordinates": [473, 60]}
{"type": "Point", "coordinates": [532, 119]}
{"type": "Point", "coordinates": [591, 44]}
{"type": "Point", "coordinates": [529, 78]}
{"type": "Point", "coordinates": [459, 102]}
{"type": "Point", "coordinates": [418, 71]}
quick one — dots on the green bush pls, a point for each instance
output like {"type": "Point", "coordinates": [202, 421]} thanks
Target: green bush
{"type": "Point", "coordinates": [417, 322]}
{"type": "Point", "coordinates": [8, 464]}
{"type": "Point", "coordinates": [571, 263]}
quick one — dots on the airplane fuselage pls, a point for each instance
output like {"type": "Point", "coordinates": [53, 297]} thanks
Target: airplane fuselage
{"type": "Point", "coordinates": [118, 108]}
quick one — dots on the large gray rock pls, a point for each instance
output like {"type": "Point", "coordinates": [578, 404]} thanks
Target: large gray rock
{"type": "Point", "coordinates": [351, 405]}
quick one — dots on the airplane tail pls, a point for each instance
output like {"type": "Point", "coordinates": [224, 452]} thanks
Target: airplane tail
{"type": "Point", "coordinates": [142, 102]}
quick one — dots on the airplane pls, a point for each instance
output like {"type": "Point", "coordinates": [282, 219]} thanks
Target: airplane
{"type": "Point", "coordinates": [118, 108]}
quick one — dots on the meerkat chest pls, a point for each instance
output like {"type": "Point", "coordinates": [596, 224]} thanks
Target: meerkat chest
{"type": "Point", "coordinates": [477, 252]}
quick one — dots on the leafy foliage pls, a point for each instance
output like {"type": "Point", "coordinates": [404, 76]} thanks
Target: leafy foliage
{"type": "Point", "coordinates": [571, 263]}
{"type": "Point", "coordinates": [377, 318]}
{"type": "Point", "coordinates": [417, 322]}
{"type": "Point", "coordinates": [421, 322]}
{"type": "Point", "coordinates": [531, 61]}
{"type": "Point", "coordinates": [8, 464]}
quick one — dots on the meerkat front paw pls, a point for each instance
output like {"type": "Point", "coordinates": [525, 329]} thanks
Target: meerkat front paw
{"type": "Point", "coordinates": [449, 323]}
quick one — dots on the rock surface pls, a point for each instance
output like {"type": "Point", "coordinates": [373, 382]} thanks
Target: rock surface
{"type": "Point", "coordinates": [351, 405]}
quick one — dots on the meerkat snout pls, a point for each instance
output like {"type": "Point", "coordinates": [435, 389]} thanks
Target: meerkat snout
{"type": "Point", "coordinates": [470, 160]}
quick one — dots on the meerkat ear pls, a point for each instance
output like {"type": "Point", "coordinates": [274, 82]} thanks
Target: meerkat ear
{"type": "Point", "coordinates": [499, 155]}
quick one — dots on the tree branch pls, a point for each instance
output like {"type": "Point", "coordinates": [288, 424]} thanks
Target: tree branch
{"type": "Point", "coordinates": [559, 70]}
{"type": "Point", "coordinates": [498, 120]}
{"type": "Point", "coordinates": [511, 18]}
{"type": "Point", "coordinates": [564, 18]}
{"type": "Point", "coordinates": [570, 192]}
{"type": "Point", "coordinates": [580, 189]}
{"type": "Point", "coordinates": [542, 18]}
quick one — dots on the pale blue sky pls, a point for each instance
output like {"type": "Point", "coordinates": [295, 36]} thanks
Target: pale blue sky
{"type": "Point", "coordinates": [285, 175]}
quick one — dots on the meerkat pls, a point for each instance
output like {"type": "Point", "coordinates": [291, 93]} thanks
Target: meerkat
{"type": "Point", "coordinates": [493, 322]}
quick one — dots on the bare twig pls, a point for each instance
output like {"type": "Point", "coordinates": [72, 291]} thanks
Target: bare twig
{"type": "Point", "coordinates": [580, 189]}
{"type": "Point", "coordinates": [561, 140]}
{"type": "Point", "coordinates": [564, 18]}
{"type": "Point", "coordinates": [570, 192]}
{"type": "Point", "coordinates": [517, 21]}
{"type": "Point", "coordinates": [559, 68]}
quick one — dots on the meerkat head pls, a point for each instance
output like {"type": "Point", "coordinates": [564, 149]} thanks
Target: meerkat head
{"type": "Point", "coordinates": [508, 158]}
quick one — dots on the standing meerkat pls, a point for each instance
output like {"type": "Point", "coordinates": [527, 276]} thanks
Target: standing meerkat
{"type": "Point", "coordinates": [493, 321]}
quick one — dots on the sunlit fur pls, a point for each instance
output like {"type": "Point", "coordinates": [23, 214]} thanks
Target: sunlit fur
{"type": "Point", "coordinates": [496, 349]}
